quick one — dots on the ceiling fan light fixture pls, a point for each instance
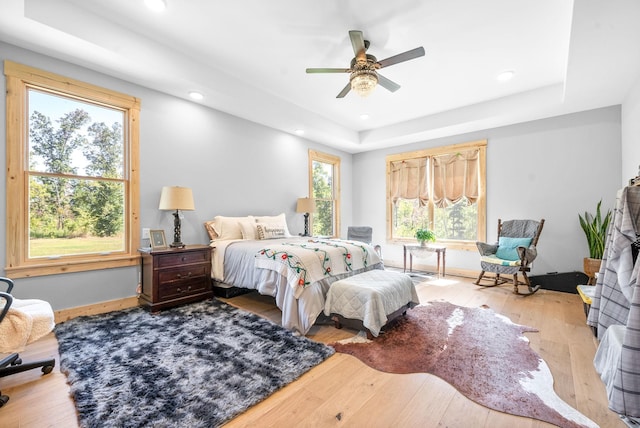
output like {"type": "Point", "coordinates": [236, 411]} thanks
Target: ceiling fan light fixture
{"type": "Point", "coordinates": [363, 81]}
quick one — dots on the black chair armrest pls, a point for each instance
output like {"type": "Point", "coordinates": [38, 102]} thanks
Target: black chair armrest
{"type": "Point", "coordinates": [9, 283]}
{"type": "Point", "coordinates": [486, 249]}
{"type": "Point", "coordinates": [9, 300]}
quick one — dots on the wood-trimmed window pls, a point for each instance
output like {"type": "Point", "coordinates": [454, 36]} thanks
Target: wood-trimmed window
{"type": "Point", "coordinates": [442, 189]}
{"type": "Point", "coordinates": [30, 180]}
{"type": "Point", "coordinates": [324, 187]}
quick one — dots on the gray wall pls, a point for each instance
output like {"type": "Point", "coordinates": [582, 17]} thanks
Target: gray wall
{"type": "Point", "coordinates": [631, 134]}
{"type": "Point", "coordinates": [552, 169]}
{"type": "Point", "coordinates": [234, 167]}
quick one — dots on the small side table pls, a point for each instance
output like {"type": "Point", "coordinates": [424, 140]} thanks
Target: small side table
{"type": "Point", "coordinates": [418, 250]}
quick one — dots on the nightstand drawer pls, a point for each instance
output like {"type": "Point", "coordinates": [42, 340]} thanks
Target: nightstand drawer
{"type": "Point", "coordinates": [179, 259]}
{"type": "Point", "coordinates": [178, 289]}
{"type": "Point", "coordinates": [186, 273]}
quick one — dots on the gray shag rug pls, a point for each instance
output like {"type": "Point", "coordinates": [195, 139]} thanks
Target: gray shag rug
{"type": "Point", "coordinates": [197, 365]}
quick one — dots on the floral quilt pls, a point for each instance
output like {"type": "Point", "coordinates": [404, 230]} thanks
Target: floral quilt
{"type": "Point", "coordinates": [304, 263]}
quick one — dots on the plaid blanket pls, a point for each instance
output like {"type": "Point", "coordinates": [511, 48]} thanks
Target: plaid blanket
{"type": "Point", "coordinates": [617, 301]}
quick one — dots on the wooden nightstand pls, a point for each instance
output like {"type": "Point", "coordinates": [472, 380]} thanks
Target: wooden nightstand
{"type": "Point", "coordinates": [175, 276]}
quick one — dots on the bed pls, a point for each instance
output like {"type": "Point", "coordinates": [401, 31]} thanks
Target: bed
{"type": "Point", "coordinates": [259, 253]}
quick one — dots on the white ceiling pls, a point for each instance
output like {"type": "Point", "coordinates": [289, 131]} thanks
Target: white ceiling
{"type": "Point", "coordinates": [248, 57]}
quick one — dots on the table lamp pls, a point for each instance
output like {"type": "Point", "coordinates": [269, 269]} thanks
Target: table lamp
{"type": "Point", "coordinates": [306, 206]}
{"type": "Point", "coordinates": [176, 198]}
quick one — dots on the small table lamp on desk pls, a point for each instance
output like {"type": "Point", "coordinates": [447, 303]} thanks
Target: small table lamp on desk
{"type": "Point", "coordinates": [306, 206]}
{"type": "Point", "coordinates": [176, 198]}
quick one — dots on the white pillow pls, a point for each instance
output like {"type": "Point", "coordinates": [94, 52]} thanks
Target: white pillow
{"type": "Point", "coordinates": [280, 219]}
{"type": "Point", "coordinates": [270, 230]}
{"type": "Point", "coordinates": [248, 228]}
{"type": "Point", "coordinates": [227, 227]}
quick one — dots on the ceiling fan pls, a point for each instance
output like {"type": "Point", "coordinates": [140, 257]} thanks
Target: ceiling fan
{"type": "Point", "coordinates": [364, 76]}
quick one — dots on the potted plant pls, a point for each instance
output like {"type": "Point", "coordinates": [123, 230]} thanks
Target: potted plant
{"type": "Point", "coordinates": [595, 229]}
{"type": "Point", "coordinates": [425, 235]}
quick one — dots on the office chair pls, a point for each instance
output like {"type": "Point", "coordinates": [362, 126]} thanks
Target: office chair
{"type": "Point", "coordinates": [22, 322]}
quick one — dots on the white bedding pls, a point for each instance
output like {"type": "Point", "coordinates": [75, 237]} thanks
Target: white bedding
{"type": "Point", "coordinates": [234, 263]}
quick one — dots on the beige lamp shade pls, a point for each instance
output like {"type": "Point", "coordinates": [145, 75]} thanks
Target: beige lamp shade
{"type": "Point", "coordinates": [176, 198]}
{"type": "Point", "coordinates": [306, 205]}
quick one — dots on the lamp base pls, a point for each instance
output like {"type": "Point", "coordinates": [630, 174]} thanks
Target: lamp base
{"type": "Point", "coordinates": [177, 242]}
{"type": "Point", "coordinates": [306, 224]}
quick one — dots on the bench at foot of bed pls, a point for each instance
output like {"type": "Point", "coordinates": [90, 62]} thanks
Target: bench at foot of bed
{"type": "Point", "coordinates": [370, 300]}
{"type": "Point", "coordinates": [339, 321]}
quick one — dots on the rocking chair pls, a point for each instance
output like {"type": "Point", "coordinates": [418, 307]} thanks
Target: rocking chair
{"type": "Point", "coordinates": [512, 254]}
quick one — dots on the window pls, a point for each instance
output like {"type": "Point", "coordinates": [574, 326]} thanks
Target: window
{"type": "Point", "coordinates": [442, 189]}
{"type": "Point", "coordinates": [72, 183]}
{"type": "Point", "coordinates": [324, 187]}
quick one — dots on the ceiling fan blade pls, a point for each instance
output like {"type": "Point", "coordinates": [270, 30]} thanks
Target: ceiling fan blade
{"type": "Point", "coordinates": [357, 41]}
{"type": "Point", "coordinates": [405, 56]}
{"type": "Point", "coordinates": [344, 91]}
{"type": "Point", "coordinates": [387, 84]}
{"type": "Point", "coordinates": [328, 70]}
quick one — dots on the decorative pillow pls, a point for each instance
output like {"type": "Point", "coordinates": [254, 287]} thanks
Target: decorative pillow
{"type": "Point", "coordinates": [280, 219]}
{"type": "Point", "coordinates": [208, 225]}
{"type": "Point", "coordinates": [227, 227]}
{"type": "Point", "coordinates": [507, 247]}
{"type": "Point", "coordinates": [248, 228]}
{"type": "Point", "coordinates": [270, 231]}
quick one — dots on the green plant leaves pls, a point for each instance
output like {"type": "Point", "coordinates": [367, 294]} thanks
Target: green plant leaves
{"type": "Point", "coordinates": [595, 229]}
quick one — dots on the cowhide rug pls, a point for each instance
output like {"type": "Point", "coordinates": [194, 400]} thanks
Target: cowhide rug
{"type": "Point", "coordinates": [482, 354]}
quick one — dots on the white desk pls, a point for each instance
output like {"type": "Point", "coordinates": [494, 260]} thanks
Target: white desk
{"type": "Point", "coordinates": [418, 250]}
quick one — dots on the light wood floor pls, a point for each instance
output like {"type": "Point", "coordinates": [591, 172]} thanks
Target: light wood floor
{"type": "Point", "coordinates": [342, 391]}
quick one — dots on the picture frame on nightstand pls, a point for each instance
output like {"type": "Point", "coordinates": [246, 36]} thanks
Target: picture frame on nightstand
{"type": "Point", "coordinates": [158, 240]}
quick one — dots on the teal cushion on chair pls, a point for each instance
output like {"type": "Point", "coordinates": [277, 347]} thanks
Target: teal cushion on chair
{"type": "Point", "coordinates": [507, 247]}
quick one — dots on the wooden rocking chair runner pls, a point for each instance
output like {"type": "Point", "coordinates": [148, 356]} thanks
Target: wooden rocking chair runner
{"type": "Point", "coordinates": [512, 254]}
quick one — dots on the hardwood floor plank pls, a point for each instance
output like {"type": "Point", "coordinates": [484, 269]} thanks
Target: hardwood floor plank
{"type": "Point", "coordinates": [402, 388]}
{"type": "Point", "coordinates": [429, 405]}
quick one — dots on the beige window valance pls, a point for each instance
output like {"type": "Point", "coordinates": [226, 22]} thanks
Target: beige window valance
{"type": "Point", "coordinates": [454, 176]}
{"type": "Point", "coordinates": [409, 180]}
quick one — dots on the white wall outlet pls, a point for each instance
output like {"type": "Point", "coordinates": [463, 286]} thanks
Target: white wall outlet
{"type": "Point", "coordinates": [145, 233]}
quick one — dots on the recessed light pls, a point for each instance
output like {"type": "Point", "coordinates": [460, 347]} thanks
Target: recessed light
{"type": "Point", "coordinates": [364, 116]}
{"type": "Point", "coordinates": [505, 75]}
{"type": "Point", "coordinates": [156, 5]}
{"type": "Point", "coordinates": [300, 131]}
{"type": "Point", "coordinates": [196, 95]}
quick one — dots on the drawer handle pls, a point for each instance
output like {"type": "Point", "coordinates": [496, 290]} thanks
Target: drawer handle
{"type": "Point", "coordinates": [179, 290]}
{"type": "Point", "coordinates": [179, 276]}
